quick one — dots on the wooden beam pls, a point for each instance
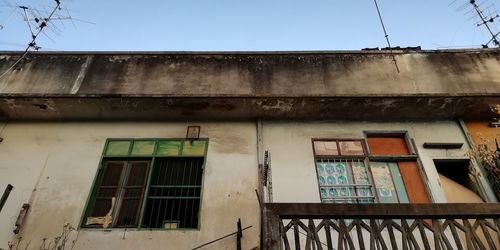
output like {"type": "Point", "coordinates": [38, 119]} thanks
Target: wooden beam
{"type": "Point", "coordinates": [271, 228]}
{"type": "Point", "coordinates": [383, 211]}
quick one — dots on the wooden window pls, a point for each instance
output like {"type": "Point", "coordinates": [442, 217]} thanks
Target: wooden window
{"type": "Point", "coordinates": [388, 144]}
{"type": "Point", "coordinates": [132, 194]}
{"type": "Point", "coordinates": [121, 189]}
{"type": "Point", "coordinates": [389, 174]}
{"type": "Point", "coordinates": [388, 182]}
{"type": "Point", "coordinates": [148, 183]}
{"type": "Point", "coordinates": [392, 154]}
{"type": "Point", "coordinates": [107, 190]}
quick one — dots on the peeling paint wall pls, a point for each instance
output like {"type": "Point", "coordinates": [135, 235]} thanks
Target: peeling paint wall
{"type": "Point", "coordinates": [293, 166]}
{"type": "Point", "coordinates": [60, 160]}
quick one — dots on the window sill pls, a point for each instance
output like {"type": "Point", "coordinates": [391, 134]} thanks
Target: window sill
{"type": "Point", "coordinates": [135, 229]}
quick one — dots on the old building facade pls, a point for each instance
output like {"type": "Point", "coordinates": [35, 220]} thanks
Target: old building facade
{"type": "Point", "coordinates": [170, 150]}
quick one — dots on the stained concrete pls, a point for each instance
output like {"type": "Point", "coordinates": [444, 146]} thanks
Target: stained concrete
{"type": "Point", "coordinates": [52, 167]}
{"type": "Point", "coordinates": [168, 85]}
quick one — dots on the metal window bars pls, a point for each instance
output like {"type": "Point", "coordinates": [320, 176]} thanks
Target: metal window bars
{"type": "Point", "coordinates": [174, 193]}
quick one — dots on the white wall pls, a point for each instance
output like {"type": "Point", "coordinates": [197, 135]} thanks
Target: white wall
{"type": "Point", "coordinates": [293, 167]}
{"type": "Point", "coordinates": [61, 160]}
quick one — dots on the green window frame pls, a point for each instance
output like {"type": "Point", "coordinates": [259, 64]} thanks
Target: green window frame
{"type": "Point", "coordinates": [128, 188]}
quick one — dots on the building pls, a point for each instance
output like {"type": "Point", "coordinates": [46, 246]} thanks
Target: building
{"type": "Point", "coordinates": [169, 150]}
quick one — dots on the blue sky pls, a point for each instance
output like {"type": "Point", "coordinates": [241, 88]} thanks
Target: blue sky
{"type": "Point", "coordinates": [238, 25]}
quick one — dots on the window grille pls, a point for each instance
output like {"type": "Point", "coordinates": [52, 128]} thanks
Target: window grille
{"type": "Point", "coordinates": [174, 193]}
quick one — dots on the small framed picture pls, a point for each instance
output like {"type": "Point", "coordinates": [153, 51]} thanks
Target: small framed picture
{"type": "Point", "coordinates": [193, 132]}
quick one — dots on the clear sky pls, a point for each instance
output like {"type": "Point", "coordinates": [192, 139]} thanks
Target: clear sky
{"type": "Point", "coordinates": [247, 25]}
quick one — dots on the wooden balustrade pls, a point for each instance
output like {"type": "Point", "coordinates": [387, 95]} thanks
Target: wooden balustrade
{"type": "Point", "coordinates": [381, 226]}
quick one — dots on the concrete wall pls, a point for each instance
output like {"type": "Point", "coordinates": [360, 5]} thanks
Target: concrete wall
{"type": "Point", "coordinates": [52, 166]}
{"type": "Point", "coordinates": [248, 85]}
{"type": "Point", "coordinates": [322, 73]}
{"type": "Point", "coordinates": [293, 167]}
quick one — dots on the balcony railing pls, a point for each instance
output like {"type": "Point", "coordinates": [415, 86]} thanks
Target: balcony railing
{"type": "Point", "coordinates": [381, 226]}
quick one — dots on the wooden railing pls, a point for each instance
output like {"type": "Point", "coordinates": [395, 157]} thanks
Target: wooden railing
{"type": "Point", "coordinates": [381, 226]}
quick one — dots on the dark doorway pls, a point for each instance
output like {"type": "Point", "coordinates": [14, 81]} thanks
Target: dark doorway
{"type": "Point", "coordinates": [458, 171]}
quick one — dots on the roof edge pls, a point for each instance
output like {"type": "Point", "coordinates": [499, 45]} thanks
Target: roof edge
{"type": "Point", "coordinates": [284, 52]}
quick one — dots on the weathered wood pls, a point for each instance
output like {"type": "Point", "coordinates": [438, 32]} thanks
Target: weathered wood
{"type": "Point", "coordinates": [383, 211]}
{"type": "Point", "coordinates": [454, 233]}
{"type": "Point", "coordinates": [326, 225]}
{"type": "Point", "coordinates": [388, 225]}
{"type": "Point", "coordinates": [359, 231]}
{"type": "Point", "coordinates": [497, 228]}
{"type": "Point", "coordinates": [423, 235]}
{"type": "Point", "coordinates": [427, 221]}
{"type": "Point", "coordinates": [487, 235]}
{"type": "Point", "coordinates": [271, 228]}
{"type": "Point", "coordinates": [283, 232]}
{"type": "Point", "coordinates": [347, 237]}
{"type": "Point", "coordinates": [296, 235]}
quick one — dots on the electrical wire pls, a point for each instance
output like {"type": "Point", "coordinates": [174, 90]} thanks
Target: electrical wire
{"type": "Point", "coordinates": [386, 36]}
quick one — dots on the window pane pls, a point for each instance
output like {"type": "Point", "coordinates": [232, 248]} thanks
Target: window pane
{"type": "Point", "coordinates": [101, 207]}
{"type": "Point", "coordinates": [326, 148]}
{"type": "Point", "coordinates": [118, 148]}
{"type": "Point", "coordinates": [105, 192]}
{"type": "Point", "coordinates": [143, 147]}
{"type": "Point", "coordinates": [361, 178]}
{"type": "Point", "coordinates": [133, 193]}
{"type": "Point", "coordinates": [194, 148]}
{"type": "Point", "coordinates": [414, 184]}
{"type": "Point", "coordinates": [112, 173]}
{"type": "Point", "coordinates": [383, 182]}
{"type": "Point", "coordinates": [351, 148]}
{"type": "Point", "coordinates": [337, 184]}
{"type": "Point", "coordinates": [137, 173]}
{"type": "Point", "coordinates": [169, 148]}
{"type": "Point", "coordinates": [388, 145]}
{"type": "Point", "coordinates": [398, 181]}
{"type": "Point", "coordinates": [128, 213]}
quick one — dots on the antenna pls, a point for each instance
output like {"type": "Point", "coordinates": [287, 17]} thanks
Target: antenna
{"type": "Point", "coordinates": [34, 35]}
{"type": "Point", "coordinates": [38, 22]}
{"type": "Point", "coordinates": [386, 37]}
{"type": "Point", "coordinates": [484, 14]}
{"type": "Point", "coordinates": [485, 20]}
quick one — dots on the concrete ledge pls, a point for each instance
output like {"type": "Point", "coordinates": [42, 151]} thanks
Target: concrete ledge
{"type": "Point", "coordinates": [214, 108]}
